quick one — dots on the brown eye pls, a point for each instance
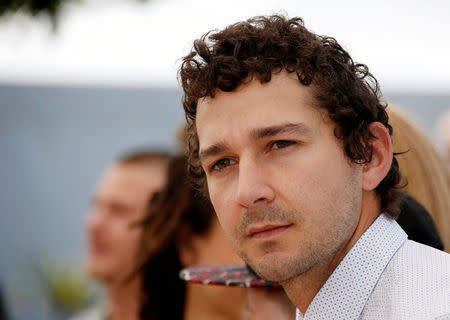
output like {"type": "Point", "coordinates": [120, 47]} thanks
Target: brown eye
{"type": "Point", "coordinates": [281, 144]}
{"type": "Point", "coordinates": [222, 164]}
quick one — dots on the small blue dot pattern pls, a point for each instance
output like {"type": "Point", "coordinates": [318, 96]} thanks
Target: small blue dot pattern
{"type": "Point", "coordinates": [385, 276]}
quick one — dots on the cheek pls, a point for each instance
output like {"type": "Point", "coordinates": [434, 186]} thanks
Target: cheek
{"type": "Point", "coordinates": [225, 207]}
{"type": "Point", "coordinates": [314, 180]}
{"type": "Point", "coordinates": [132, 238]}
{"type": "Point", "coordinates": [125, 237]}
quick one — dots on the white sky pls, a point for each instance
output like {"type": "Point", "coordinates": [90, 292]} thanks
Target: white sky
{"type": "Point", "coordinates": [406, 44]}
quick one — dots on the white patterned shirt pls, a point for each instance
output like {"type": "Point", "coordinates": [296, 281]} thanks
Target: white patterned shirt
{"type": "Point", "coordinates": [385, 276]}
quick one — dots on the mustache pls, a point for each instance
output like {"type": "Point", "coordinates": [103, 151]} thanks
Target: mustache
{"type": "Point", "coordinates": [270, 215]}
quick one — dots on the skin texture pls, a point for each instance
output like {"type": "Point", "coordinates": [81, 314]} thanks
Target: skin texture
{"type": "Point", "coordinates": [287, 197]}
{"type": "Point", "coordinates": [269, 304]}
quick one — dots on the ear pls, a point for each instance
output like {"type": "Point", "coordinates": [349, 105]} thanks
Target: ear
{"type": "Point", "coordinates": [186, 248]}
{"type": "Point", "coordinates": [375, 170]}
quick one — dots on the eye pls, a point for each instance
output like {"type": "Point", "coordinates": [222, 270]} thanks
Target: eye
{"type": "Point", "coordinates": [281, 144]}
{"type": "Point", "coordinates": [222, 164]}
{"type": "Point", "coordinates": [119, 210]}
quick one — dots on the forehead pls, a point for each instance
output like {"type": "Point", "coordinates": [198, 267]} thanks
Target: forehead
{"type": "Point", "coordinates": [131, 181]}
{"type": "Point", "coordinates": [253, 106]}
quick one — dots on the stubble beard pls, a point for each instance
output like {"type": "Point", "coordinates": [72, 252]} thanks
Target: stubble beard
{"type": "Point", "coordinates": [269, 267]}
{"type": "Point", "coordinates": [282, 268]}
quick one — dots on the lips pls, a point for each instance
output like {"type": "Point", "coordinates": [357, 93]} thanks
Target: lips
{"type": "Point", "coordinates": [97, 246]}
{"type": "Point", "coordinates": [267, 230]}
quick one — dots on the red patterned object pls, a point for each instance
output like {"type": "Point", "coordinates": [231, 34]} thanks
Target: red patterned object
{"type": "Point", "coordinates": [225, 275]}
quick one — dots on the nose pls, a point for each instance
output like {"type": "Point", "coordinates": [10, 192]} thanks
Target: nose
{"type": "Point", "coordinates": [93, 220]}
{"type": "Point", "coordinates": [253, 189]}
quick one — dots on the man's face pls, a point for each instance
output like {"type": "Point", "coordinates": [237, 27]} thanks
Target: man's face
{"type": "Point", "coordinates": [285, 194]}
{"type": "Point", "coordinates": [120, 199]}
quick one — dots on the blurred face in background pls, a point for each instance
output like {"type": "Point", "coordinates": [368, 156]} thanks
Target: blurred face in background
{"type": "Point", "coordinates": [119, 200]}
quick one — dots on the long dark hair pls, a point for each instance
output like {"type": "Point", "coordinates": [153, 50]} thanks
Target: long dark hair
{"type": "Point", "coordinates": [176, 207]}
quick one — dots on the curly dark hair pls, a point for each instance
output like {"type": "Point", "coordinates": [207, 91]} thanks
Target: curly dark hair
{"type": "Point", "coordinates": [262, 46]}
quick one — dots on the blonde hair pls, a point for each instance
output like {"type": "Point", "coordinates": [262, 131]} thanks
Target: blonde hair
{"type": "Point", "coordinates": [425, 171]}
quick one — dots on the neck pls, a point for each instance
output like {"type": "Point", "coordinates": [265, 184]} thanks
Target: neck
{"type": "Point", "coordinates": [201, 304]}
{"type": "Point", "coordinates": [123, 299]}
{"type": "Point", "coordinates": [302, 289]}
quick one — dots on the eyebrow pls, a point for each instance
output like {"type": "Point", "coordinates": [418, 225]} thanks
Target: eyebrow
{"type": "Point", "coordinates": [257, 134]}
{"type": "Point", "coordinates": [212, 150]}
{"type": "Point", "coordinates": [271, 131]}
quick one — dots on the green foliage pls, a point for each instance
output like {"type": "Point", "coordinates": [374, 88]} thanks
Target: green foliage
{"type": "Point", "coordinates": [51, 8]}
{"type": "Point", "coordinates": [33, 7]}
{"type": "Point", "coordinates": [66, 287]}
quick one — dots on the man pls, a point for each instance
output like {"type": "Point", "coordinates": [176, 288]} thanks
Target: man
{"type": "Point", "coordinates": [292, 144]}
{"type": "Point", "coordinates": [120, 199]}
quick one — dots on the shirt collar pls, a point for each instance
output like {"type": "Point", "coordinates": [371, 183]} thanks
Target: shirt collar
{"type": "Point", "coordinates": [345, 293]}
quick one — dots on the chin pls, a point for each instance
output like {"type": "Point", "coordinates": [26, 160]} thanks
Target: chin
{"type": "Point", "coordinates": [98, 272]}
{"type": "Point", "coordinates": [278, 267]}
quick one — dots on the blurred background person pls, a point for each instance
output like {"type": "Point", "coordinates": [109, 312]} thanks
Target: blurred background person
{"type": "Point", "coordinates": [443, 128]}
{"type": "Point", "coordinates": [181, 230]}
{"type": "Point", "coordinates": [418, 224]}
{"type": "Point", "coordinates": [119, 200]}
{"type": "Point", "coordinates": [425, 171]}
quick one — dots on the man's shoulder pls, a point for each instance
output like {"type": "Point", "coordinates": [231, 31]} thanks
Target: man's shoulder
{"type": "Point", "coordinates": [414, 285]}
{"type": "Point", "coordinates": [419, 267]}
{"type": "Point", "coordinates": [416, 257]}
